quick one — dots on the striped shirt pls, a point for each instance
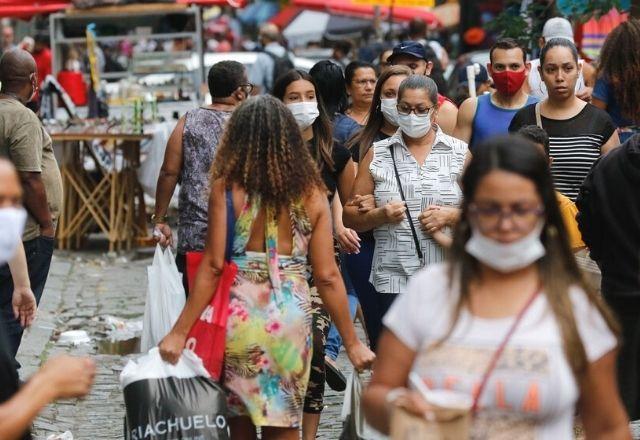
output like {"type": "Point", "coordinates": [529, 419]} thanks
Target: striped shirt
{"type": "Point", "coordinates": [574, 143]}
{"type": "Point", "coordinates": [434, 183]}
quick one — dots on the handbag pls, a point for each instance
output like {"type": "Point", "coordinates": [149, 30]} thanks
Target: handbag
{"type": "Point", "coordinates": [416, 241]}
{"type": "Point", "coordinates": [208, 335]}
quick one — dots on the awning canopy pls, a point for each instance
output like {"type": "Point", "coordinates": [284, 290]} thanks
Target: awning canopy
{"type": "Point", "coordinates": [349, 7]}
{"type": "Point", "coordinates": [27, 9]}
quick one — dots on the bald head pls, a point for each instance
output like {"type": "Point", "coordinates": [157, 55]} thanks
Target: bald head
{"type": "Point", "coordinates": [17, 68]}
{"type": "Point", "coordinates": [269, 32]}
{"type": "Point", "coordinates": [10, 189]}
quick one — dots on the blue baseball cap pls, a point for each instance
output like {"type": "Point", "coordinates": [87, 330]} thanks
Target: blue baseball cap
{"type": "Point", "coordinates": [410, 48]}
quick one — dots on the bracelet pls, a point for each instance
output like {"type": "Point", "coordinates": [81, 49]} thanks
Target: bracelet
{"type": "Point", "coordinates": [155, 219]}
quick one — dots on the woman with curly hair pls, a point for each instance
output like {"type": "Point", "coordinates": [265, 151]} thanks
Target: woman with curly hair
{"type": "Point", "coordinates": [616, 89]}
{"type": "Point", "coordinates": [300, 93]}
{"type": "Point", "coordinates": [268, 177]}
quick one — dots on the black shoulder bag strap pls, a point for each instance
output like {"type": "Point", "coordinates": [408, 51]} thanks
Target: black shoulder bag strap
{"type": "Point", "coordinates": [231, 226]}
{"type": "Point", "coordinates": [416, 241]}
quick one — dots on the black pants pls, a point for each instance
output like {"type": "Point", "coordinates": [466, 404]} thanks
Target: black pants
{"type": "Point", "coordinates": [39, 252]}
{"type": "Point", "coordinates": [374, 304]}
{"type": "Point", "coordinates": [181, 263]}
{"type": "Point", "coordinates": [627, 310]}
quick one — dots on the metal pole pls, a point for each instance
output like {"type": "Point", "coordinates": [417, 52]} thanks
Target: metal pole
{"type": "Point", "coordinates": [393, 2]}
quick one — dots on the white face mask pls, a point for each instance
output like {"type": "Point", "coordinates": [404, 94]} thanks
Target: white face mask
{"type": "Point", "coordinates": [11, 226]}
{"type": "Point", "coordinates": [305, 113]}
{"type": "Point", "coordinates": [415, 126]}
{"type": "Point", "coordinates": [507, 257]}
{"type": "Point", "coordinates": [390, 110]}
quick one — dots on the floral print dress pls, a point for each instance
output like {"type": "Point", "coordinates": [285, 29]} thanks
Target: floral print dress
{"type": "Point", "coordinates": [269, 346]}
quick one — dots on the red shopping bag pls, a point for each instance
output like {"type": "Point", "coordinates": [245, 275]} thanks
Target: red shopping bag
{"type": "Point", "coordinates": [208, 335]}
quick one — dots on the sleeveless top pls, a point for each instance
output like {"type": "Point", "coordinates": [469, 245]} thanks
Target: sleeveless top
{"type": "Point", "coordinates": [435, 182]}
{"type": "Point", "coordinates": [202, 131]}
{"type": "Point", "coordinates": [491, 120]}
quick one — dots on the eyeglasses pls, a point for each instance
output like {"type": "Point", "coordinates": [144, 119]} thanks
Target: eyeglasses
{"type": "Point", "coordinates": [489, 217]}
{"type": "Point", "coordinates": [406, 110]}
{"type": "Point", "coordinates": [246, 88]}
{"type": "Point", "coordinates": [365, 82]}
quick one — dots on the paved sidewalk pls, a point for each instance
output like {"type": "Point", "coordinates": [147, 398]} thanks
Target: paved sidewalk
{"type": "Point", "coordinates": [82, 288]}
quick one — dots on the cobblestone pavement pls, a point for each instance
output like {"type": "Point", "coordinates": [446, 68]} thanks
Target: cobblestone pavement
{"type": "Point", "coordinates": [82, 289]}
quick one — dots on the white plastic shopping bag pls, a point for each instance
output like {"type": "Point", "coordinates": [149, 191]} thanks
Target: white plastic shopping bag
{"type": "Point", "coordinates": [165, 298]}
{"type": "Point", "coordinates": [354, 425]}
{"type": "Point", "coordinates": [167, 402]}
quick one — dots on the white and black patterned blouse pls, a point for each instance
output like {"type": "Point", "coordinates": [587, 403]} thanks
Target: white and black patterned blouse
{"type": "Point", "coordinates": [434, 183]}
{"type": "Point", "coordinates": [202, 131]}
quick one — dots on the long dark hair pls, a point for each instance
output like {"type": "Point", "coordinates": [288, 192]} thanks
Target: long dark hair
{"type": "Point", "coordinates": [365, 138]}
{"type": "Point", "coordinates": [263, 152]}
{"type": "Point", "coordinates": [331, 86]}
{"type": "Point", "coordinates": [620, 66]}
{"type": "Point", "coordinates": [322, 136]}
{"type": "Point", "coordinates": [558, 268]}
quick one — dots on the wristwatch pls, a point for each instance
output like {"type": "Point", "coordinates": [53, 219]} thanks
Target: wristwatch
{"type": "Point", "coordinates": [155, 219]}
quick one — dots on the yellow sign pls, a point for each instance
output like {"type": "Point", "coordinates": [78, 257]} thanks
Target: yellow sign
{"type": "Point", "coordinates": [399, 3]}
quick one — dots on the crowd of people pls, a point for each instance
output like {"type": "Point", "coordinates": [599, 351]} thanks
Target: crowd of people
{"type": "Point", "coordinates": [454, 230]}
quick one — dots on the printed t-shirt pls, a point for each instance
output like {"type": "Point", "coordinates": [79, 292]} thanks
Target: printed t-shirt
{"type": "Point", "coordinates": [532, 393]}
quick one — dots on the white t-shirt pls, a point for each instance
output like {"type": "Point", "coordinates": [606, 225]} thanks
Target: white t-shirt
{"type": "Point", "coordinates": [532, 392]}
{"type": "Point", "coordinates": [538, 87]}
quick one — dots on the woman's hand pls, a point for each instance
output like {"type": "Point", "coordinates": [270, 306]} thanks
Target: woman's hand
{"type": "Point", "coordinates": [364, 203]}
{"type": "Point", "coordinates": [162, 234]}
{"type": "Point", "coordinates": [436, 217]}
{"type": "Point", "coordinates": [414, 403]}
{"type": "Point", "coordinates": [171, 347]}
{"type": "Point", "coordinates": [394, 212]}
{"type": "Point", "coordinates": [360, 356]}
{"type": "Point", "coordinates": [348, 240]}
{"type": "Point", "coordinates": [24, 305]}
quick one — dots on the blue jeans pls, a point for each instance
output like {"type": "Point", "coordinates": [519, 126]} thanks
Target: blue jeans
{"type": "Point", "coordinates": [334, 341]}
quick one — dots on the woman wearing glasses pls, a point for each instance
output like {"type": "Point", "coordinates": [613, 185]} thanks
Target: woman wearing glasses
{"type": "Point", "coordinates": [361, 81]}
{"type": "Point", "coordinates": [413, 177]}
{"type": "Point", "coordinates": [188, 158]}
{"type": "Point", "coordinates": [509, 321]}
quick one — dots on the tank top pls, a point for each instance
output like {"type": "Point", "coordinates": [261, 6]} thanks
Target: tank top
{"type": "Point", "coordinates": [491, 120]}
{"type": "Point", "coordinates": [202, 131]}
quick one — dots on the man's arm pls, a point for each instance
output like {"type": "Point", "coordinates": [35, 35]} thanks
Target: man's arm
{"type": "Point", "coordinates": [35, 200]}
{"type": "Point", "coordinates": [464, 125]}
{"type": "Point", "coordinates": [167, 181]}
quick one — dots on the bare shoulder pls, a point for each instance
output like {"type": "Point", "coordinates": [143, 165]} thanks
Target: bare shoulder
{"type": "Point", "coordinates": [316, 204]}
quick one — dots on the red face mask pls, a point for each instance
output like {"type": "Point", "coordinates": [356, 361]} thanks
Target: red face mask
{"type": "Point", "coordinates": [509, 82]}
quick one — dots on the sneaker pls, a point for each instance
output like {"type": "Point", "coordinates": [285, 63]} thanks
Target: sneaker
{"type": "Point", "coordinates": [335, 379]}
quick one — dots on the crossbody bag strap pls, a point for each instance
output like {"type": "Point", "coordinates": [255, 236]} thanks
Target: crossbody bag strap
{"type": "Point", "coordinates": [496, 356]}
{"type": "Point", "coordinates": [416, 241]}
{"type": "Point", "coordinates": [538, 115]}
{"type": "Point", "coordinates": [231, 225]}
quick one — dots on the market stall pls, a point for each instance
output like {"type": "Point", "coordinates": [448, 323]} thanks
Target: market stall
{"type": "Point", "coordinates": [106, 195]}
